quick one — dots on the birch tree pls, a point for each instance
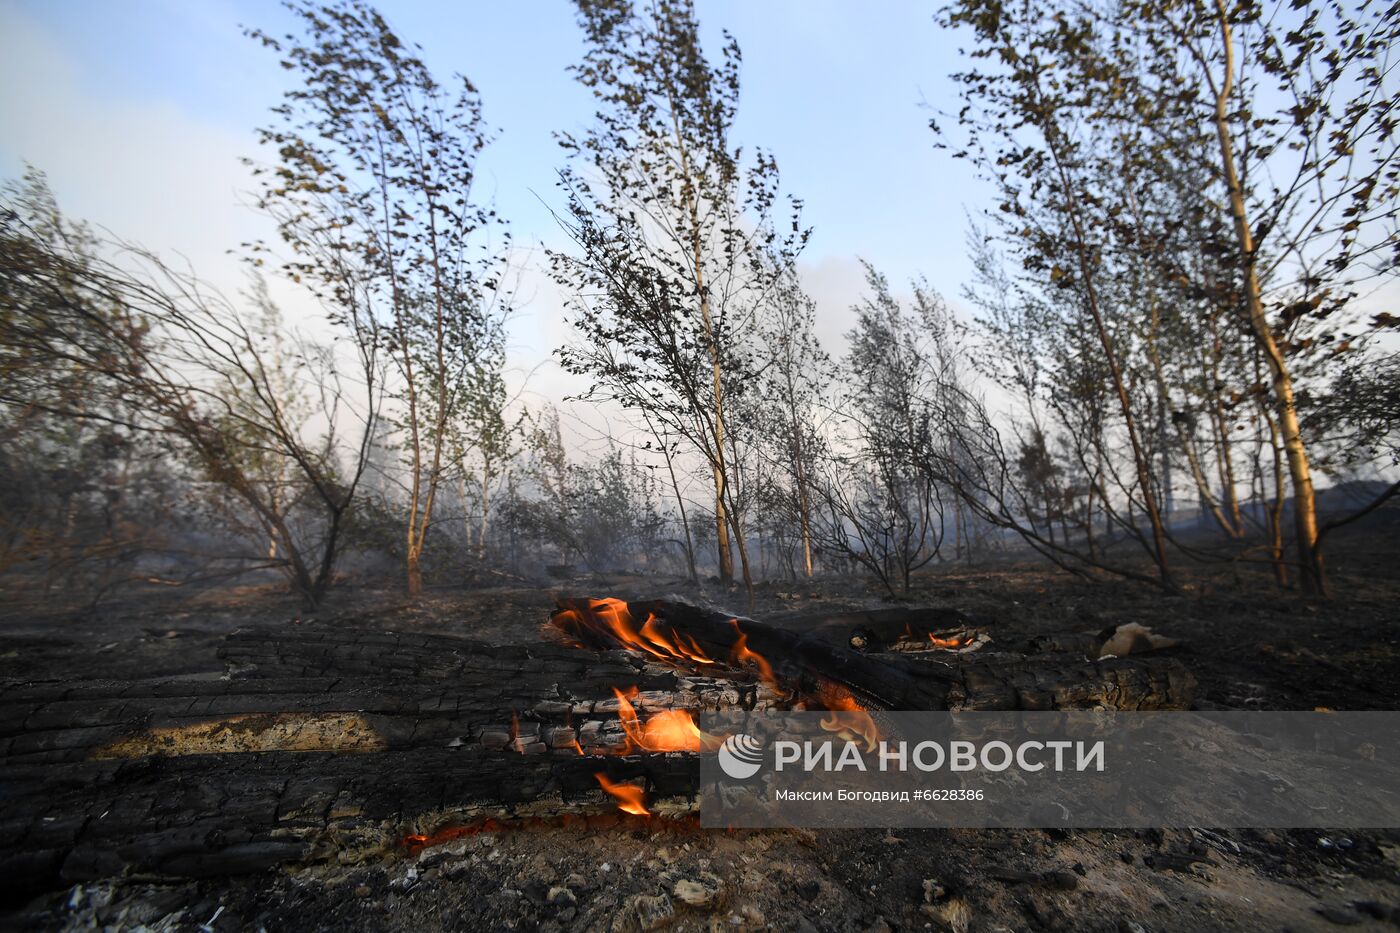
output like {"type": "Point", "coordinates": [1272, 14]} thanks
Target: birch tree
{"type": "Point", "coordinates": [675, 242]}
{"type": "Point", "coordinates": [372, 193]}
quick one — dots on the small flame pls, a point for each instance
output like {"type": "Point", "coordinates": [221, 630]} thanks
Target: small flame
{"type": "Point", "coordinates": [611, 621]}
{"type": "Point", "coordinates": [741, 652]}
{"type": "Point", "coordinates": [666, 731]}
{"type": "Point", "coordinates": [949, 642]}
{"type": "Point", "coordinates": [678, 646]}
{"type": "Point", "coordinates": [848, 719]}
{"type": "Point", "coordinates": [630, 798]}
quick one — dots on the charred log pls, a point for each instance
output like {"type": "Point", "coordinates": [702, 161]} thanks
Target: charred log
{"type": "Point", "coordinates": [203, 815]}
{"type": "Point", "coordinates": [321, 744]}
{"type": "Point", "coordinates": [802, 661]}
{"type": "Point", "coordinates": [874, 630]}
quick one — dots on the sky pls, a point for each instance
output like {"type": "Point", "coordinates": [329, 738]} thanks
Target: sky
{"type": "Point", "coordinates": [140, 113]}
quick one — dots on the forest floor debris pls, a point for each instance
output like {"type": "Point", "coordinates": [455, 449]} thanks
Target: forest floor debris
{"type": "Point", "coordinates": [1249, 650]}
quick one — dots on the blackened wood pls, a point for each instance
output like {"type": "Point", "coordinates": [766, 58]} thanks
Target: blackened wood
{"type": "Point", "coordinates": [873, 629]}
{"type": "Point", "coordinates": [797, 659]}
{"type": "Point", "coordinates": [985, 680]}
{"type": "Point", "coordinates": [69, 813]}
{"type": "Point", "coordinates": [204, 815]}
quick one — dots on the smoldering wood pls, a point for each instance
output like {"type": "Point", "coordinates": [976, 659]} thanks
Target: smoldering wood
{"type": "Point", "coordinates": [108, 776]}
{"type": "Point", "coordinates": [875, 629]}
{"type": "Point", "coordinates": [204, 815]}
{"type": "Point", "coordinates": [985, 680]}
{"type": "Point", "coordinates": [322, 744]}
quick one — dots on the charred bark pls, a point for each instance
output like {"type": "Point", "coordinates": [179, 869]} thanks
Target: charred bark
{"type": "Point", "coordinates": [801, 661]}
{"type": "Point", "coordinates": [331, 744]}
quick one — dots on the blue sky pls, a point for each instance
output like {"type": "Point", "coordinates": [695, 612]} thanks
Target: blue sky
{"type": "Point", "coordinates": [139, 112]}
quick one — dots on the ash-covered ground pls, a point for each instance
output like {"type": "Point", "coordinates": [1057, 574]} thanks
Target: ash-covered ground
{"type": "Point", "coordinates": [1250, 646]}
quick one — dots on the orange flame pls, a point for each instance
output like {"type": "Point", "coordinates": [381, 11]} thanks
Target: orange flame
{"type": "Point", "coordinates": [611, 620]}
{"type": "Point", "coordinates": [849, 720]}
{"type": "Point", "coordinates": [741, 652]}
{"type": "Point", "coordinates": [678, 646]}
{"type": "Point", "coordinates": [666, 731]}
{"type": "Point", "coordinates": [630, 798]}
{"type": "Point", "coordinates": [950, 642]}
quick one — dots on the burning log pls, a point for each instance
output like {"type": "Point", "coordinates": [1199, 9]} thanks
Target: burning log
{"type": "Point", "coordinates": [804, 664]}
{"type": "Point", "coordinates": [780, 657]}
{"type": "Point", "coordinates": [342, 744]}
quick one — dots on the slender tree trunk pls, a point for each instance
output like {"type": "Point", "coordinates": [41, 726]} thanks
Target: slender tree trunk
{"type": "Point", "coordinates": [1220, 421]}
{"type": "Point", "coordinates": [968, 518]}
{"type": "Point", "coordinates": [1163, 396]}
{"type": "Point", "coordinates": [742, 541]}
{"type": "Point", "coordinates": [719, 431]}
{"type": "Point", "coordinates": [470, 529]}
{"type": "Point", "coordinates": [1232, 529]}
{"type": "Point", "coordinates": [957, 530]}
{"type": "Point", "coordinates": [680, 500]}
{"type": "Point", "coordinates": [1276, 509]}
{"type": "Point", "coordinates": [726, 552]}
{"type": "Point", "coordinates": [804, 506]}
{"type": "Point", "coordinates": [1091, 301]}
{"type": "Point", "coordinates": [805, 521]}
{"type": "Point", "coordinates": [1089, 522]}
{"type": "Point", "coordinates": [1162, 441]}
{"type": "Point", "coordinates": [485, 526]}
{"type": "Point", "coordinates": [1314, 573]}
{"type": "Point", "coordinates": [716, 416]}
{"type": "Point", "coordinates": [740, 538]}
{"type": "Point", "coordinates": [415, 579]}
{"type": "Point", "coordinates": [1159, 378]}
{"type": "Point", "coordinates": [1208, 500]}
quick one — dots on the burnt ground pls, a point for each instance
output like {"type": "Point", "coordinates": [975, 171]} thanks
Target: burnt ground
{"type": "Point", "coordinates": [1249, 645]}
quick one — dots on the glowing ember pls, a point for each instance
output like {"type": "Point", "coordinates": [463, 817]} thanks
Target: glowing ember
{"type": "Point", "coordinates": [630, 798]}
{"type": "Point", "coordinates": [946, 641]}
{"type": "Point", "coordinates": [666, 731]}
{"type": "Point", "coordinates": [420, 841]}
{"type": "Point", "coordinates": [741, 652]}
{"type": "Point", "coordinates": [848, 719]}
{"type": "Point", "coordinates": [611, 620]}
